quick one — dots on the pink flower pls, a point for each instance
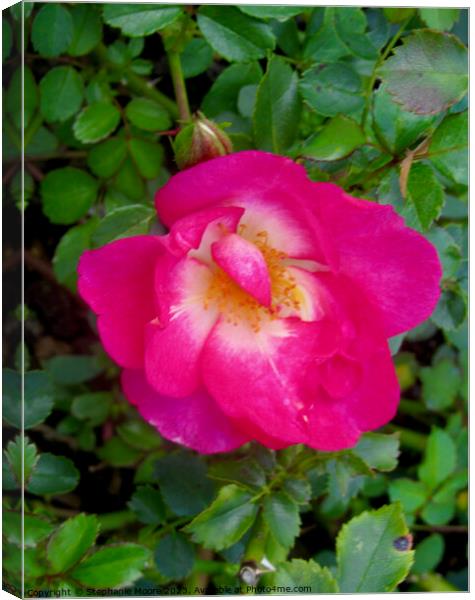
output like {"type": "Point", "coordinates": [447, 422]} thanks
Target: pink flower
{"type": "Point", "coordinates": [264, 313]}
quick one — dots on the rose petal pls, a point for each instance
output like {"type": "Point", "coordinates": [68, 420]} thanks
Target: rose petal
{"type": "Point", "coordinates": [117, 281]}
{"type": "Point", "coordinates": [174, 344]}
{"type": "Point", "coordinates": [195, 421]}
{"type": "Point", "coordinates": [244, 263]}
{"type": "Point", "coordinates": [259, 377]}
{"type": "Point", "coordinates": [396, 266]}
{"type": "Point", "coordinates": [187, 232]}
{"type": "Point", "coordinates": [268, 186]}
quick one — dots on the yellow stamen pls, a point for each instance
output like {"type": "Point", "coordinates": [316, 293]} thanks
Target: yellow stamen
{"type": "Point", "coordinates": [238, 306]}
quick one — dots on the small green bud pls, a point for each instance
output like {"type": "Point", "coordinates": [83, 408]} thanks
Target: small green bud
{"type": "Point", "coordinates": [199, 141]}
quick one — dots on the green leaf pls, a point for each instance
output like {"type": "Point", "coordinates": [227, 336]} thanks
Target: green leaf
{"type": "Point", "coordinates": [411, 494]}
{"type": "Point", "coordinates": [127, 221]}
{"type": "Point", "coordinates": [448, 149]}
{"type": "Point", "coordinates": [7, 39]}
{"type": "Point", "coordinates": [112, 566]}
{"type": "Point", "coordinates": [398, 15]}
{"type": "Point", "coordinates": [71, 541]}
{"type": "Point", "coordinates": [341, 34]}
{"type": "Point", "coordinates": [21, 457]}
{"type": "Point", "coordinates": [21, 8]}
{"type": "Point", "coordinates": [379, 451]}
{"type": "Point", "coordinates": [428, 73]}
{"type": "Point", "coordinates": [11, 398]}
{"type": "Point", "coordinates": [53, 475]}
{"type": "Point", "coordinates": [92, 407]}
{"type": "Point", "coordinates": [66, 257]}
{"type": "Point", "coordinates": [147, 115]}
{"type": "Point", "coordinates": [128, 182]}
{"type": "Point", "coordinates": [440, 384]}
{"type": "Point", "coordinates": [196, 57]}
{"type": "Point", "coordinates": [67, 194]}
{"type": "Point", "coordinates": [331, 89]}
{"type": "Point", "coordinates": [227, 519]}
{"type": "Point", "coordinates": [139, 434]}
{"type": "Point", "coordinates": [450, 253]}
{"type": "Point", "coordinates": [288, 37]}
{"type": "Point", "coordinates": [247, 100]}
{"type": "Point", "coordinates": [225, 90]}
{"type": "Point", "coordinates": [87, 29]}
{"type": "Point", "coordinates": [22, 78]}
{"type": "Point", "coordinates": [298, 489]}
{"type": "Point", "coordinates": [174, 556]}
{"type": "Point", "coordinates": [426, 193]}
{"type": "Point", "coordinates": [338, 138]}
{"type": "Point", "coordinates": [38, 398]}
{"type": "Point", "coordinates": [9, 481]}
{"type": "Point", "coordinates": [246, 471]}
{"type": "Point", "coordinates": [397, 128]}
{"type": "Point", "coordinates": [118, 454]}
{"type": "Point", "coordinates": [282, 516]}
{"type": "Point", "coordinates": [147, 156]}
{"type": "Point", "coordinates": [281, 13]}
{"type": "Point", "coordinates": [451, 309]}
{"type": "Point", "coordinates": [61, 93]}
{"type": "Point", "coordinates": [52, 30]}
{"type": "Point", "coordinates": [73, 369]}
{"type": "Point", "coordinates": [42, 142]}
{"type": "Point", "coordinates": [277, 110]}
{"type": "Point", "coordinates": [148, 505]}
{"type": "Point", "coordinates": [441, 508]}
{"type": "Point", "coordinates": [368, 559]}
{"type": "Point", "coordinates": [35, 528]}
{"type": "Point", "coordinates": [106, 158]}
{"type": "Point", "coordinates": [234, 35]}
{"type": "Point", "coordinates": [302, 574]}
{"type": "Point", "coordinates": [183, 483]}
{"type": "Point", "coordinates": [440, 18]}
{"type": "Point", "coordinates": [439, 458]}
{"type": "Point", "coordinates": [137, 20]}
{"type": "Point", "coordinates": [429, 553]}
{"type": "Point", "coordinates": [438, 513]}
{"type": "Point", "coordinates": [95, 122]}
{"type": "Point", "coordinates": [135, 46]}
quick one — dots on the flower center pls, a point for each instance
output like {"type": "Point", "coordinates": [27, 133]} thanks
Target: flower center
{"type": "Point", "coordinates": [236, 305]}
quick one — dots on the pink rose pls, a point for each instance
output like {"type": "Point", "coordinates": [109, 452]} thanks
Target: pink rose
{"type": "Point", "coordinates": [264, 313]}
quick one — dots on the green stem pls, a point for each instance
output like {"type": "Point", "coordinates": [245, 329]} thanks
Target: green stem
{"type": "Point", "coordinates": [433, 582]}
{"type": "Point", "coordinates": [410, 439]}
{"type": "Point", "coordinates": [116, 520]}
{"type": "Point", "coordinates": [255, 549]}
{"type": "Point", "coordinates": [374, 74]}
{"type": "Point", "coordinates": [137, 84]}
{"type": "Point", "coordinates": [410, 407]}
{"type": "Point", "coordinates": [174, 62]}
{"type": "Point", "coordinates": [213, 567]}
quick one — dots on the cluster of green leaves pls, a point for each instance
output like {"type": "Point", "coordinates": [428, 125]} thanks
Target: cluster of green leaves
{"type": "Point", "coordinates": [372, 99]}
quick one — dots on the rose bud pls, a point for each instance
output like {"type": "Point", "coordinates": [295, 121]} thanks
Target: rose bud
{"type": "Point", "coordinates": [200, 140]}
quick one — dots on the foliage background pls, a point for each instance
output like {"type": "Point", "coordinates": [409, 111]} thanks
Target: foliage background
{"type": "Point", "coordinates": [108, 502]}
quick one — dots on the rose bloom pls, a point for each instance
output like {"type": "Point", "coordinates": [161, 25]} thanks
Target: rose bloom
{"type": "Point", "coordinates": [264, 313]}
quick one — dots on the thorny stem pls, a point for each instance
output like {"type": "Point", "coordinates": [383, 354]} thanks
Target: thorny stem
{"type": "Point", "coordinates": [179, 86]}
